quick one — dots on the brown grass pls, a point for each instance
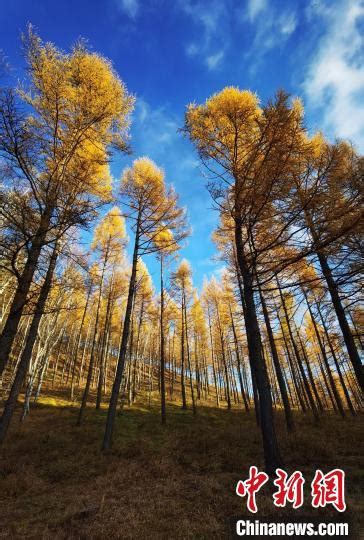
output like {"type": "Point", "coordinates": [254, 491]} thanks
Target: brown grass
{"type": "Point", "coordinates": [172, 482]}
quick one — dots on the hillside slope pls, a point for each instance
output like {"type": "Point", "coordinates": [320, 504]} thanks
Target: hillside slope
{"type": "Point", "coordinates": [176, 481]}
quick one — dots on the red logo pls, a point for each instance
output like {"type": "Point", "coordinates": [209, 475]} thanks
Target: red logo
{"type": "Point", "coordinates": [325, 489]}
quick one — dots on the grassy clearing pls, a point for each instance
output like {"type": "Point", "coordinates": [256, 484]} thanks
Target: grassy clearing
{"type": "Point", "coordinates": [172, 482]}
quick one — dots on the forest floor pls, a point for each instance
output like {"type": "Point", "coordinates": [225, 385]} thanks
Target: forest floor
{"type": "Point", "coordinates": [176, 481]}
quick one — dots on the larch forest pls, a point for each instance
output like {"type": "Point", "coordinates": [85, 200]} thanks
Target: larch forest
{"type": "Point", "coordinates": [131, 406]}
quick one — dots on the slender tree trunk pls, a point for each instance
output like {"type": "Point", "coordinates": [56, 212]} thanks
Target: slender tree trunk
{"type": "Point", "coordinates": [325, 359]}
{"type": "Point", "coordinates": [339, 308]}
{"type": "Point", "coordinates": [28, 349]}
{"type": "Point", "coordinates": [357, 332]}
{"type": "Point", "coordinates": [183, 386]}
{"type": "Point", "coordinates": [80, 373]}
{"type": "Point", "coordinates": [238, 361]}
{"type": "Point", "coordinates": [105, 334]}
{"type": "Point", "coordinates": [141, 313]}
{"type": "Point", "coordinates": [277, 365]}
{"type": "Point", "coordinates": [110, 421]}
{"type": "Point", "coordinates": [78, 342]}
{"type": "Point", "coordinates": [162, 350]}
{"type": "Point", "coordinates": [272, 456]}
{"type": "Point", "coordinates": [296, 382]}
{"type": "Point", "coordinates": [243, 305]}
{"type": "Point", "coordinates": [223, 356]}
{"type": "Point", "coordinates": [298, 357]}
{"type": "Point", "coordinates": [344, 325]}
{"type": "Point", "coordinates": [309, 371]}
{"type": "Point", "coordinates": [213, 360]}
{"type": "Point", "coordinates": [25, 280]}
{"type": "Point", "coordinates": [194, 409]}
{"type": "Point", "coordinates": [338, 369]}
{"type": "Point", "coordinates": [197, 367]}
{"type": "Point", "coordinates": [329, 391]}
{"type": "Point", "coordinates": [92, 355]}
{"type": "Point", "coordinates": [58, 356]}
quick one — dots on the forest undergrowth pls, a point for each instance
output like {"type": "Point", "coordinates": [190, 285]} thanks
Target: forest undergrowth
{"type": "Point", "coordinates": [167, 481]}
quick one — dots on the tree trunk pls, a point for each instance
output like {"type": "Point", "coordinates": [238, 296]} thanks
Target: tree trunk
{"type": "Point", "coordinates": [339, 309]}
{"type": "Point", "coordinates": [277, 365]}
{"type": "Point", "coordinates": [110, 421]}
{"type": "Point", "coordinates": [243, 395]}
{"type": "Point", "coordinates": [162, 350]}
{"type": "Point", "coordinates": [28, 349]}
{"type": "Point", "coordinates": [338, 369]}
{"type": "Point", "coordinates": [324, 356]}
{"type": "Point", "coordinates": [194, 409]}
{"type": "Point", "coordinates": [272, 456]}
{"type": "Point", "coordinates": [92, 355]}
{"type": "Point", "coordinates": [298, 357]}
{"type": "Point", "coordinates": [223, 356]}
{"type": "Point", "coordinates": [11, 326]}
{"type": "Point", "coordinates": [103, 348]}
{"type": "Point", "coordinates": [78, 343]}
{"type": "Point", "coordinates": [183, 386]}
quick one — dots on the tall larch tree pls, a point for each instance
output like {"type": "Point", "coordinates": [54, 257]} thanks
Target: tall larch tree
{"type": "Point", "coordinates": [151, 208]}
{"type": "Point", "coordinates": [250, 149]}
{"type": "Point", "coordinates": [55, 134]}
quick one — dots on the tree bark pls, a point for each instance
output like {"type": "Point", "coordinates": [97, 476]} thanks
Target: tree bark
{"type": "Point", "coordinates": [28, 349]}
{"type": "Point", "coordinates": [298, 357]}
{"type": "Point", "coordinates": [162, 350]}
{"type": "Point", "coordinates": [92, 355]}
{"type": "Point", "coordinates": [246, 404]}
{"type": "Point", "coordinates": [110, 421]}
{"type": "Point", "coordinates": [277, 365]}
{"type": "Point", "coordinates": [338, 307]}
{"type": "Point", "coordinates": [25, 280]}
{"type": "Point", "coordinates": [272, 456]}
{"type": "Point", "coordinates": [78, 343]}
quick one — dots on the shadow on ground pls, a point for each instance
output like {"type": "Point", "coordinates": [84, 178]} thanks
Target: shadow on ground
{"type": "Point", "coordinates": [176, 481]}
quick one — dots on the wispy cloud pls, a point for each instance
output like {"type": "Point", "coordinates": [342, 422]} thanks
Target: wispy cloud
{"type": "Point", "coordinates": [209, 17]}
{"type": "Point", "coordinates": [215, 59]}
{"type": "Point", "coordinates": [287, 23]}
{"type": "Point", "coordinates": [204, 13]}
{"type": "Point", "coordinates": [129, 7]}
{"type": "Point", "coordinates": [334, 81]}
{"type": "Point", "coordinates": [155, 128]}
{"type": "Point", "coordinates": [272, 27]}
{"type": "Point", "coordinates": [254, 8]}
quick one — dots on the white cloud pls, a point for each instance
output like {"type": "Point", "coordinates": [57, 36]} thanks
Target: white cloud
{"type": "Point", "coordinates": [210, 16]}
{"type": "Point", "coordinates": [142, 109]}
{"type": "Point", "coordinates": [206, 14]}
{"type": "Point", "coordinates": [272, 28]}
{"type": "Point", "coordinates": [130, 7]}
{"type": "Point", "coordinates": [334, 81]}
{"type": "Point", "coordinates": [254, 8]}
{"type": "Point", "coordinates": [192, 49]}
{"type": "Point", "coordinates": [287, 23]}
{"type": "Point", "coordinates": [214, 60]}
{"type": "Point", "coordinates": [156, 128]}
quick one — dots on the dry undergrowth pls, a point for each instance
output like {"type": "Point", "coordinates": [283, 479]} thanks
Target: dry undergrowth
{"type": "Point", "coordinates": [172, 482]}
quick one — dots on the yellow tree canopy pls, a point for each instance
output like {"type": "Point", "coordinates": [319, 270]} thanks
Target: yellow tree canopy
{"type": "Point", "coordinates": [79, 108]}
{"type": "Point", "coordinates": [110, 234]}
{"type": "Point", "coordinates": [144, 283]}
{"type": "Point", "coordinates": [225, 123]}
{"type": "Point", "coordinates": [164, 241]}
{"type": "Point", "coordinates": [256, 150]}
{"type": "Point", "coordinates": [144, 180]}
{"type": "Point", "coordinates": [183, 275]}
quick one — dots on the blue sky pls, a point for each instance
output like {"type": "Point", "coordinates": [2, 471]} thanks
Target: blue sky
{"type": "Point", "coordinates": [172, 52]}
